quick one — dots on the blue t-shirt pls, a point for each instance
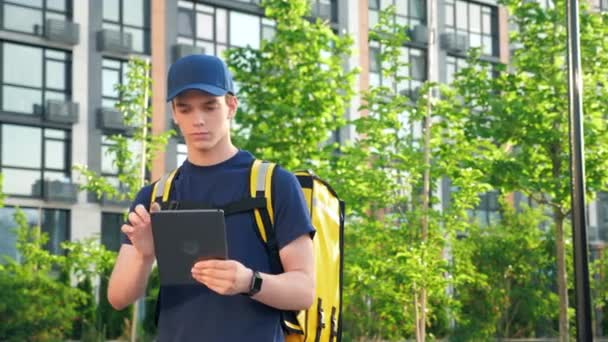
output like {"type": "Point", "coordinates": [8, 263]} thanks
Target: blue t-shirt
{"type": "Point", "coordinates": [195, 313]}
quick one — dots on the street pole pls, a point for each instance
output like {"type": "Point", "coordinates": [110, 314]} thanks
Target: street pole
{"type": "Point", "coordinates": [577, 175]}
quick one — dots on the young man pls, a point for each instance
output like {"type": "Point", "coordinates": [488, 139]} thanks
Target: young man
{"type": "Point", "coordinates": [201, 91]}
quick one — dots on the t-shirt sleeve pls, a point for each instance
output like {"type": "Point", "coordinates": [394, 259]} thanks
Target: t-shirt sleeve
{"type": "Point", "coordinates": [143, 197]}
{"type": "Point", "coordinates": [291, 214]}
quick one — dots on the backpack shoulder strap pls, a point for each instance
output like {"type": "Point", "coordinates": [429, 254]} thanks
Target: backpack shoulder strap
{"type": "Point", "coordinates": [260, 186]}
{"type": "Point", "coordinates": [162, 187]}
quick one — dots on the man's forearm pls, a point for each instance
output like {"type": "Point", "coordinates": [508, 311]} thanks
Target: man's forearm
{"type": "Point", "coordinates": [293, 290]}
{"type": "Point", "coordinates": [129, 279]}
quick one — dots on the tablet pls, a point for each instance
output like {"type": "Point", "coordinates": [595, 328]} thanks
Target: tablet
{"type": "Point", "coordinates": [183, 237]}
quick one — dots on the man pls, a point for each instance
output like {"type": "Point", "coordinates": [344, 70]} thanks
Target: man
{"type": "Point", "coordinates": [203, 102]}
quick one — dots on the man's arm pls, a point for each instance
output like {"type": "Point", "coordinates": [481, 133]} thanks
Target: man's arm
{"type": "Point", "coordinates": [292, 290]}
{"type": "Point", "coordinates": [134, 262]}
{"type": "Point", "coordinates": [129, 278]}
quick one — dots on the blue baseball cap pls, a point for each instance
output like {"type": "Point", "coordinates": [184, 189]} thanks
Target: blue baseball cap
{"type": "Point", "coordinates": [206, 73]}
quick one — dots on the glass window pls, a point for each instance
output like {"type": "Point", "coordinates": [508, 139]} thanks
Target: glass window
{"type": "Point", "coordinates": [22, 65]}
{"type": "Point", "coordinates": [215, 28]}
{"type": "Point", "coordinates": [113, 73]}
{"type": "Point", "coordinates": [131, 16]}
{"type": "Point", "coordinates": [53, 222]}
{"type": "Point", "coordinates": [244, 30]}
{"type": "Point", "coordinates": [414, 61]}
{"type": "Point", "coordinates": [21, 146]}
{"type": "Point", "coordinates": [30, 155]}
{"type": "Point", "coordinates": [32, 75]}
{"type": "Point", "coordinates": [478, 22]}
{"type": "Point", "coordinates": [28, 16]}
{"type": "Point", "coordinates": [407, 12]}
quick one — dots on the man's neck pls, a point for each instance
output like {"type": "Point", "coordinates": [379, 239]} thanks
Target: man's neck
{"type": "Point", "coordinates": [214, 156]}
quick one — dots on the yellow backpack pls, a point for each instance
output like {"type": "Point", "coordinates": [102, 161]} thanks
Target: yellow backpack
{"type": "Point", "coordinates": [323, 320]}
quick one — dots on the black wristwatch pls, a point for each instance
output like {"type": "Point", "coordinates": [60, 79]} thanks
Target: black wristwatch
{"type": "Point", "coordinates": [256, 284]}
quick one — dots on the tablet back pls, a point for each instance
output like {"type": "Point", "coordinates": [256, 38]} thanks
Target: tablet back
{"type": "Point", "coordinates": [183, 237]}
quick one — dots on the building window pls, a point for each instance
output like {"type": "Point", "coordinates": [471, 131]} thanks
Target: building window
{"type": "Point", "coordinates": [29, 16]}
{"type": "Point", "coordinates": [32, 154]}
{"type": "Point", "coordinates": [453, 66]}
{"type": "Point", "coordinates": [113, 72]}
{"type": "Point", "coordinates": [110, 230]}
{"type": "Point", "coordinates": [487, 211]}
{"type": "Point", "coordinates": [477, 22]}
{"type": "Point", "coordinates": [109, 169]}
{"type": "Point", "coordinates": [215, 29]}
{"type": "Point", "coordinates": [130, 16]}
{"type": "Point", "coordinates": [32, 75]}
{"type": "Point", "coordinates": [407, 12]}
{"type": "Point", "coordinates": [182, 154]}
{"type": "Point", "coordinates": [415, 70]}
{"type": "Point", "coordinates": [54, 222]}
{"type": "Point", "coordinates": [602, 216]}
{"type": "Point", "coordinates": [603, 5]}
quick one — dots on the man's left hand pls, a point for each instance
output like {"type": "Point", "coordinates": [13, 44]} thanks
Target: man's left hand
{"type": "Point", "coordinates": [226, 277]}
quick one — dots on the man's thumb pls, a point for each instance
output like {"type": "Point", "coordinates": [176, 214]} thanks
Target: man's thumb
{"type": "Point", "coordinates": [154, 207]}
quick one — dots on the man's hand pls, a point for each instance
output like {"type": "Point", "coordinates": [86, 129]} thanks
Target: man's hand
{"type": "Point", "coordinates": [140, 230]}
{"type": "Point", "coordinates": [226, 277]}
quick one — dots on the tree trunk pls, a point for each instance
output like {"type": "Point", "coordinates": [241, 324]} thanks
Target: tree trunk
{"type": "Point", "coordinates": [562, 283]}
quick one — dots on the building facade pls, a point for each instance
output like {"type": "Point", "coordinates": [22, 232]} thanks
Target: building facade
{"type": "Point", "coordinates": [60, 60]}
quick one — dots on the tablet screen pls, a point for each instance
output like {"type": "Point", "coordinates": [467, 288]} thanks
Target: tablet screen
{"type": "Point", "coordinates": [183, 237]}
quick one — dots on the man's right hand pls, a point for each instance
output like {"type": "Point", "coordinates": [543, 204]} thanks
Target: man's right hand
{"type": "Point", "coordinates": [140, 230]}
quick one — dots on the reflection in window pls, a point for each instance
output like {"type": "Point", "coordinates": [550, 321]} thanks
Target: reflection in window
{"type": "Point", "coordinates": [32, 75]}
{"type": "Point", "coordinates": [130, 16]}
{"type": "Point", "coordinates": [215, 29]}
{"type": "Point", "coordinates": [29, 16]}
{"type": "Point", "coordinates": [487, 212]}
{"type": "Point", "coordinates": [415, 69]}
{"type": "Point", "coordinates": [478, 22]}
{"type": "Point", "coordinates": [407, 12]}
{"type": "Point", "coordinates": [109, 169]}
{"type": "Point", "coordinates": [113, 72]}
{"type": "Point", "coordinates": [30, 155]}
{"type": "Point", "coordinates": [53, 222]}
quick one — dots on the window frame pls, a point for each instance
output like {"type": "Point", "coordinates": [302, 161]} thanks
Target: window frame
{"type": "Point", "coordinates": [68, 13]}
{"type": "Point", "coordinates": [43, 89]}
{"type": "Point", "coordinates": [146, 28]}
{"type": "Point", "coordinates": [43, 169]}
{"type": "Point", "coordinates": [494, 25]}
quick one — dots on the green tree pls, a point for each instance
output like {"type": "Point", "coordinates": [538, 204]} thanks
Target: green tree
{"type": "Point", "coordinates": [132, 165]}
{"type": "Point", "coordinates": [293, 90]}
{"type": "Point", "coordinates": [523, 109]}
{"type": "Point", "coordinates": [515, 263]}
{"type": "Point", "coordinates": [393, 266]}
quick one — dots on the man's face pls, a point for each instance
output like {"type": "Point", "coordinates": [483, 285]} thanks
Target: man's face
{"type": "Point", "coordinates": [203, 119]}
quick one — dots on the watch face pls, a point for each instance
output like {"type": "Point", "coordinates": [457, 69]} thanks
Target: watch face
{"type": "Point", "coordinates": [256, 284]}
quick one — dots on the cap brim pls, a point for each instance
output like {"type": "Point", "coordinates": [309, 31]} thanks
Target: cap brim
{"type": "Point", "coordinates": [206, 88]}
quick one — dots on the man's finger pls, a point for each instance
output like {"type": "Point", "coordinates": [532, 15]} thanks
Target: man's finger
{"type": "Point", "coordinates": [134, 219]}
{"type": "Point", "coordinates": [154, 207]}
{"type": "Point", "coordinates": [126, 229]}
{"type": "Point", "coordinates": [143, 213]}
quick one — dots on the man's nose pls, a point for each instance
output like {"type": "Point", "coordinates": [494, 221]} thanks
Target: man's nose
{"type": "Point", "coordinates": [199, 119]}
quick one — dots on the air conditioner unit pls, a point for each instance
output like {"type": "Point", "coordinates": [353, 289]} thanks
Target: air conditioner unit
{"type": "Point", "coordinates": [419, 34]}
{"type": "Point", "coordinates": [114, 41]}
{"type": "Point", "coordinates": [454, 42]}
{"type": "Point", "coordinates": [60, 191]}
{"type": "Point", "coordinates": [62, 31]}
{"type": "Point", "coordinates": [111, 119]}
{"type": "Point", "coordinates": [181, 50]}
{"type": "Point", "coordinates": [61, 111]}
